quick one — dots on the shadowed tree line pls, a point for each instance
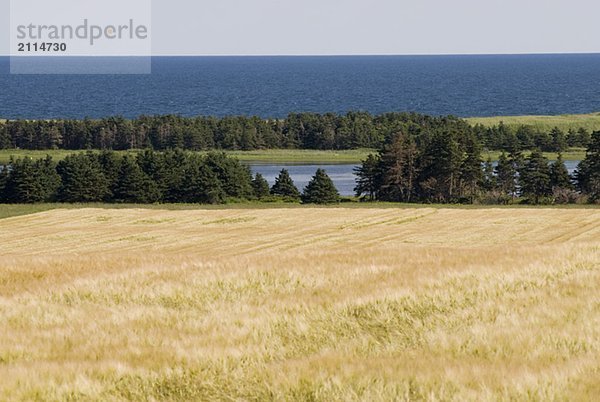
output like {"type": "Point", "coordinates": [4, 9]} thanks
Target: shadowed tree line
{"type": "Point", "coordinates": [298, 131]}
{"type": "Point", "coordinates": [150, 177]}
{"type": "Point", "coordinates": [448, 168]}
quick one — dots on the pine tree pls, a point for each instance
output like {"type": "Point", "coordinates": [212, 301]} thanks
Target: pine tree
{"type": "Point", "coordinates": [559, 140]}
{"type": "Point", "coordinates": [82, 179]}
{"type": "Point", "coordinates": [559, 175]}
{"type": "Point", "coordinates": [320, 190]}
{"type": "Point", "coordinates": [505, 176]}
{"type": "Point", "coordinates": [588, 172]}
{"type": "Point", "coordinates": [32, 181]}
{"type": "Point", "coordinates": [133, 185]}
{"type": "Point", "coordinates": [471, 172]}
{"type": "Point", "coordinates": [368, 178]}
{"type": "Point", "coordinates": [440, 172]}
{"type": "Point", "coordinates": [3, 182]}
{"type": "Point", "coordinates": [398, 169]}
{"type": "Point", "coordinates": [284, 186]}
{"type": "Point", "coordinates": [202, 184]}
{"type": "Point", "coordinates": [260, 186]}
{"type": "Point", "coordinates": [535, 177]}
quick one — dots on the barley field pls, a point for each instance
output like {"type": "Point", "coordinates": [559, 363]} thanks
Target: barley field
{"type": "Point", "coordinates": [301, 304]}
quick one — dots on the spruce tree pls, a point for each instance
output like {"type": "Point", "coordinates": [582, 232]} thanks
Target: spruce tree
{"type": "Point", "coordinates": [260, 186]}
{"type": "Point", "coordinates": [471, 171]}
{"type": "Point", "coordinates": [3, 181]}
{"type": "Point", "coordinates": [559, 175]}
{"type": "Point", "coordinates": [588, 172]}
{"type": "Point", "coordinates": [32, 181]}
{"type": "Point", "coordinates": [133, 185]}
{"type": "Point", "coordinates": [82, 179]}
{"type": "Point", "coordinates": [284, 186]}
{"type": "Point", "coordinates": [505, 176]}
{"type": "Point", "coordinates": [320, 190]}
{"type": "Point", "coordinates": [201, 184]}
{"type": "Point", "coordinates": [368, 178]}
{"type": "Point", "coordinates": [535, 177]}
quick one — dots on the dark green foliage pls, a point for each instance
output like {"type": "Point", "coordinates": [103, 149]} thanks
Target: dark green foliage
{"type": "Point", "coordinates": [535, 178]}
{"type": "Point", "coordinates": [398, 169]}
{"type": "Point", "coordinates": [82, 179]}
{"type": "Point", "coordinates": [320, 190]}
{"type": "Point", "coordinates": [31, 181]}
{"type": "Point", "coordinates": [471, 173]}
{"type": "Point", "coordinates": [260, 187]}
{"type": "Point", "coordinates": [133, 185]}
{"type": "Point", "coordinates": [201, 184]}
{"type": "Point", "coordinates": [588, 173]}
{"type": "Point", "coordinates": [440, 169]}
{"type": "Point", "coordinates": [559, 140]}
{"type": "Point", "coordinates": [368, 178]}
{"type": "Point", "coordinates": [559, 175]}
{"type": "Point", "coordinates": [284, 186]}
{"type": "Point", "coordinates": [299, 130]}
{"type": "Point", "coordinates": [236, 178]}
{"type": "Point", "coordinates": [506, 176]}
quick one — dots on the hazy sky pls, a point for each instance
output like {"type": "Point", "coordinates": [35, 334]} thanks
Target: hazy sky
{"type": "Point", "coordinates": [248, 27]}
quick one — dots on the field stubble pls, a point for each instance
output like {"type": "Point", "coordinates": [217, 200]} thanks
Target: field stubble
{"type": "Point", "coordinates": [300, 304]}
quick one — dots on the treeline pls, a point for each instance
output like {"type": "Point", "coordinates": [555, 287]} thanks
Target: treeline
{"type": "Point", "coordinates": [297, 131]}
{"type": "Point", "coordinates": [150, 177]}
{"type": "Point", "coordinates": [448, 168]}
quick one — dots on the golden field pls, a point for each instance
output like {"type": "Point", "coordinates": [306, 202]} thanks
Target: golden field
{"type": "Point", "coordinates": [301, 304]}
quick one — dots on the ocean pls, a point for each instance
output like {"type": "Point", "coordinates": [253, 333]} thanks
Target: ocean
{"type": "Point", "coordinates": [272, 87]}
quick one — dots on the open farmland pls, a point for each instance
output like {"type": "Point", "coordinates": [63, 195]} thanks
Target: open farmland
{"type": "Point", "coordinates": [300, 304]}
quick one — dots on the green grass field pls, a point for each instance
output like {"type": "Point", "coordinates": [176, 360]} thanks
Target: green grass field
{"type": "Point", "coordinates": [565, 122]}
{"type": "Point", "coordinates": [276, 156]}
{"type": "Point", "coordinates": [298, 156]}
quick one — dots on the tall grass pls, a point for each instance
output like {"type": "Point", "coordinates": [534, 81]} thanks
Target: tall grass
{"type": "Point", "coordinates": [300, 304]}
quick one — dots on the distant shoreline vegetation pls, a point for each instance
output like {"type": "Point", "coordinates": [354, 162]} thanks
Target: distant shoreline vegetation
{"type": "Point", "coordinates": [421, 159]}
{"type": "Point", "coordinates": [310, 131]}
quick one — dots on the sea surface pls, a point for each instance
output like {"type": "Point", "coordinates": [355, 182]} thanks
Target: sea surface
{"type": "Point", "coordinates": [272, 87]}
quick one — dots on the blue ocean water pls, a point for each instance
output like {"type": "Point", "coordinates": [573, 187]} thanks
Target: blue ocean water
{"type": "Point", "coordinates": [275, 86]}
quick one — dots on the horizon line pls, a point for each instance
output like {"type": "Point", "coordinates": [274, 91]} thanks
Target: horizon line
{"type": "Point", "coordinates": [323, 55]}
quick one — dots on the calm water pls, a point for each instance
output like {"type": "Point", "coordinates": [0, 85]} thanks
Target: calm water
{"type": "Point", "coordinates": [275, 86]}
{"type": "Point", "coordinates": [342, 175]}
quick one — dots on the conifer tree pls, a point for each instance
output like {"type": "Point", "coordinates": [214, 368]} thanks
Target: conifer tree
{"type": "Point", "coordinates": [202, 184]}
{"type": "Point", "coordinates": [368, 178]}
{"type": "Point", "coordinates": [588, 172]}
{"type": "Point", "coordinates": [559, 174]}
{"type": "Point", "coordinates": [320, 190]}
{"type": "Point", "coordinates": [284, 186]}
{"type": "Point", "coordinates": [471, 172]}
{"type": "Point", "coordinates": [32, 181]}
{"type": "Point", "coordinates": [535, 177]}
{"type": "Point", "coordinates": [260, 186]}
{"type": "Point", "coordinates": [82, 179]}
{"type": "Point", "coordinates": [133, 185]}
{"type": "Point", "coordinates": [505, 175]}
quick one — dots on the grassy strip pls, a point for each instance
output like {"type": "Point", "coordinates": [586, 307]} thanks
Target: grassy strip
{"type": "Point", "coordinates": [297, 156]}
{"type": "Point", "coordinates": [276, 156]}
{"type": "Point", "coordinates": [590, 121]}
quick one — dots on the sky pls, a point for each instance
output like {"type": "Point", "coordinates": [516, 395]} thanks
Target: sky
{"type": "Point", "coordinates": [348, 27]}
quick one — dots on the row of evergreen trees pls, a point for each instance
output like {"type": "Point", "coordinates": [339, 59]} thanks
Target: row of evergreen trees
{"type": "Point", "coordinates": [297, 131]}
{"type": "Point", "coordinates": [150, 177]}
{"type": "Point", "coordinates": [449, 169]}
